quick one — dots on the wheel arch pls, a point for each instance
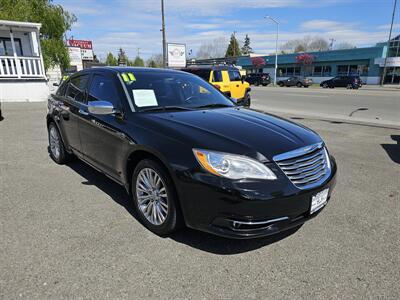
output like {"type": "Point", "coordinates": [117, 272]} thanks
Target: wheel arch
{"type": "Point", "coordinates": [51, 119]}
{"type": "Point", "coordinates": [141, 153]}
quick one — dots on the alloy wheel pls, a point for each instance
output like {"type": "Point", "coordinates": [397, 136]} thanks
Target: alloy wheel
{"type": "Point", "coordinates": [54, 140]}
{"type": "Point", "coordinates": [152, 197]}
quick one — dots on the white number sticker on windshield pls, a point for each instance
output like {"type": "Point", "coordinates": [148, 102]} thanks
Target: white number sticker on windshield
{"type": "Point", "coordinates": [144, 98]}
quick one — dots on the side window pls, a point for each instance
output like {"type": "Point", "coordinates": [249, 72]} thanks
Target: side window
{"type": "Point", "coordinates": [217, 76]}
{"type": "Point", "coordinates": [234, 76]}
{"type": "Point", "coordinates": [76, 88]}
{"type": "Point", "coordinates": [103, 89]}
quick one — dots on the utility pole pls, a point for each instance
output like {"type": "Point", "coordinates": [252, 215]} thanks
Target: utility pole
{"type": "Point", "coordinates": [276, 46]}
{"type": "Point", "coordinates": [163, 35]}
{"type": "Point", "coordinates": [332, 40]}
{"type": "Point", "coordinates": [138, 52]}
{"type": "Point", "coordinates": [388, 44]}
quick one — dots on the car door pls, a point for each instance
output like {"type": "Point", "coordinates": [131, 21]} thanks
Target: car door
{"type": "Point", "coordinates": [343, 81]}
{"type": "Point", "coordinates": [336, 81]}
{"type": "Point", "coordinates": [71, 105]}
{"type": "Point", "coordinates": [236, 84]}
{"type": "Point", "coordinates": [102, 137]}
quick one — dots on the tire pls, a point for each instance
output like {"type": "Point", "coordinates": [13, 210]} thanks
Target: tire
{"type": "Point", "coordinates": [325, 86]}
{"type": "Point", "coordinates": [264, 84]}
{"type": "Point", "coordinates": [280, 84]}
{"type": "Point", "coordinates": [165, 216]}
{"type": "Point", "coordinates": [247, 101]}
{"type": "Point", "coordinates": [299, 84]}
{"type": "Point", "coordinates": [349, 86]}
{"type": "Point", "coordinates": [56, 146]}
{"type": "Point", "coordinates": [256, 83]}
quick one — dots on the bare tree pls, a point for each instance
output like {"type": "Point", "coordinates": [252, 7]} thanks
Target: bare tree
{"type": "Point", "coordinates": [307, 43]}
{"type": "Point", "coordinates": [318, 44]}
{"type": "Point", "coordinates": [212, 49]}
{"type": "Point", "coordinates": [344, 45]}
{"type": "Point", "coordinates": [155, 61]}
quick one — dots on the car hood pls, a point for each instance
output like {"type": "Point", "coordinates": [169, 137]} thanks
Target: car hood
{"type": "Point", "coordinates": [234, 130]}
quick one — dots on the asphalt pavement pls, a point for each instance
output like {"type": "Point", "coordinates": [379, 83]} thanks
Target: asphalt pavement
{"type": "Point", "coordinates": [70, 232]}
{"type": "Point", "coordinates": [379, 106]}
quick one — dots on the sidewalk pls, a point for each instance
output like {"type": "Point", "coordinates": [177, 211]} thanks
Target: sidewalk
{"type": "Point", "coordinates": [386, 87]}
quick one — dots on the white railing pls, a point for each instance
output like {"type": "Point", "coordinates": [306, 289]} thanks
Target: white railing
{"type": "Point", "coordinates": [21, 67]}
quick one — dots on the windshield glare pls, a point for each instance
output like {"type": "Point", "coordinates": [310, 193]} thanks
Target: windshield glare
{"type": "Point", "coordinates": [164, 89]}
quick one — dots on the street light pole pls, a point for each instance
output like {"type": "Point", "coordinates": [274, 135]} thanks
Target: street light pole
{"type": "Point", "coordinates": [276, 45]}
{"type": "Point", "coordinates": [388, 44]}
{"type": "Point", "coordinates": [163, 35]}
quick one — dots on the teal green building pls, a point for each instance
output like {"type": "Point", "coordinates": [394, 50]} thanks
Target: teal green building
{"type": "Point", "coordinates": [367, 62]}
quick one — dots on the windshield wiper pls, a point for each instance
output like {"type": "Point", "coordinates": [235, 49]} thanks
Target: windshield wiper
{"type": "Point", "coordinates": [213, 105]}
{"type": "Point", "coordinates": [165, 108]}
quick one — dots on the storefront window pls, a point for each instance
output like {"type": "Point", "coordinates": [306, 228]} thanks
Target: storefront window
{"type": "Point", "coordinates": [322, 71]}
{"type": "Point", "coordinates": [289, 71]}
{"type": "Point", "coordinates": [343, 70]}
{"type": "Point", "coordinates": [327, 71]}
{"type": "Point", "coordinates": [353, 70]}
{"type": "Point", "coordinates": [317, 71]}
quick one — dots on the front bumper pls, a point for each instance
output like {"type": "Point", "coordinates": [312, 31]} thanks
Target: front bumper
{"type": "Point", "coordinates": [248, 209]}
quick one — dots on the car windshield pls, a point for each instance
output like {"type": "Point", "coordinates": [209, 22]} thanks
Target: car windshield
{"type": "Point", "coordinates": [158, 90]}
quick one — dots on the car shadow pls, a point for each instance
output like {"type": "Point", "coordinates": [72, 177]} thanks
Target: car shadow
{"type": "Point", "coordinates": [193, 238]}
{"type": "Point", "coordinates": [393, 150]}
{"type": "Point", "coordinates": [224, 246]}
{"type": "Point", "coordinates": [106, 185]}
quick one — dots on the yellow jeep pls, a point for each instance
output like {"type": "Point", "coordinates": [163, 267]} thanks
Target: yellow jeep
{"type": "Point", "coordinates": [227, 79]}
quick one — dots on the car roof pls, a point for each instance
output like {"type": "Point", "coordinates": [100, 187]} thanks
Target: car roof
{"type": "Point", "coordinates": [122, 69]}
{"type": "Point", "coordinates": [214, 68]}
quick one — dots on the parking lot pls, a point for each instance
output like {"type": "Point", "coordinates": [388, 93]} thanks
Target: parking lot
{"type": "Point", "coordinates": [70, 232]}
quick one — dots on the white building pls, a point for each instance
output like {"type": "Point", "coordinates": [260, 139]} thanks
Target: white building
{"type": "Point", "coordinates": [22, 74]}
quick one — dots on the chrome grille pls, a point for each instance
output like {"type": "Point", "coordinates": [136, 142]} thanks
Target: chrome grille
{"type": "Point", "coordinates": [306, 167]}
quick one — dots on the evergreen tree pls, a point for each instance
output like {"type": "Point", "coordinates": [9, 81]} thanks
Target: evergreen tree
{"type": "Point", "coordinates": [138, 62]}
{"type": "Point", "coordinates": [233, 47]}
{"type": "Point", "coordinates": [111, 60]}
{"type": "Point", "coordinates": [246, 49]}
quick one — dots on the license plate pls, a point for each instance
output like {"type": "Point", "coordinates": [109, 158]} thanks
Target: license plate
{"type": "Point", "coordinates": [319, 200]}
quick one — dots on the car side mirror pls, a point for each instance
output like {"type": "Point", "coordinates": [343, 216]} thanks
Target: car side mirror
{"type": "Point", "coordinates": [101, 108]}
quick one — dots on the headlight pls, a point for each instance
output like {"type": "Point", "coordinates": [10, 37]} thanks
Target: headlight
{"type": "Point", "coordinates": [232, 166]}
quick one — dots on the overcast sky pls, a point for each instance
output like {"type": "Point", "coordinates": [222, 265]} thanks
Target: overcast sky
{"type": "Point", "coordinates": [136, 23]}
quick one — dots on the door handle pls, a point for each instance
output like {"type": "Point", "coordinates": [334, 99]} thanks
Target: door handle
{"type": "Point", "coordinates": [83, 112]}
{"type": "Point", "coordinates": [237, 85]}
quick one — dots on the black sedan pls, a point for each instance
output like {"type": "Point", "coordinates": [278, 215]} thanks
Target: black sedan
{"type": "Point", "coordinates": [187, 155]}
{"type": "Point", "coordinates": [258, 79]}
{"type": "Point", "coordinates": [296, 81]}
{"type": "Point", "coordinates": [349, 82]}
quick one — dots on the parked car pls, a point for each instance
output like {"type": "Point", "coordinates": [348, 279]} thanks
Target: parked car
{"type": "Point", "coordinates": [350, 82]}
{"type": "Point", "coordinates": [258, 79]}
{"type": "Point", "coordinates": [225, 78]}
{"type": "Point", "coordinates": [296, 81]}
{"type": "Point", "coordinates": [187, 155]}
